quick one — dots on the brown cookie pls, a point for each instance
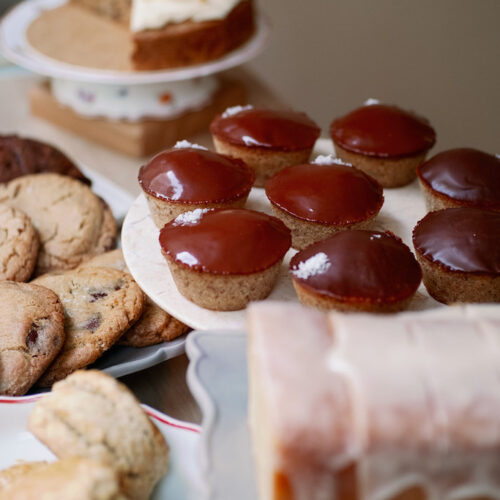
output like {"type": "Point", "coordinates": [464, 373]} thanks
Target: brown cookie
{"type": "Point", "coordinates": [18, 245]}
{"type": "Point", "coordinates": [69, 479]}
{"type": "Point", "coordinates": [92, 415]}
{"type": "Point", "coordinates": [100, 304]}
{"type": "Point", "coordinates": [155, 325]}
{"type": "Point", "coordinates": [31, 334]}
{"type": "Point", "coordinates": [72, 222]}
{"type": "Point", "coordinates": [19, 156]}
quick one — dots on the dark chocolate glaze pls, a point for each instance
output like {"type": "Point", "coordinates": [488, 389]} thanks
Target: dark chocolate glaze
{"type": "Point", "coordinates": [360, 265]}
{"type": "Point", "coordinates": [19, 156]}
{"type": "Point", "coordinates": [384, 131]}
{"type": "Point", "coordinates": [464, 174]}
{"type": "Point", "coordinates": [226, 241]}
{"type": "Point", "coordinates": [460, 239]}
{"type": "Point", "coordinates": [325, 194]}
{"type": "Point", "coordinates": [268, 129]}
{"type": "Point", "coordinates": [190, 175]}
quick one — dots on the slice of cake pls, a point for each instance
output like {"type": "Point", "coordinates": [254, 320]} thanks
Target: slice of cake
{"type": "Point", "coordinates": [168, 34]}
{"type": "Point", "coordinates": [356, 407]}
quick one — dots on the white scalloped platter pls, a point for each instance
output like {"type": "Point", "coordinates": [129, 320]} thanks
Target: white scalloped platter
{"type": "Point", "coordinates": [182, 480]}
{"type": "Point", "coordinates": [15, 47]}
{"type": "Point", "coordinates": [403, 208]}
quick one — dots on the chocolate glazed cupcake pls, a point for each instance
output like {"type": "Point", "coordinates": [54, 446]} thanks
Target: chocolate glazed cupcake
{"type": "Point", "coordinates": [221, 259]}
{"type": "Point", "coordinates": [462, 177]}
{"type": "Point", "coordinates": [266, 140]}
{"type": "Point", "coordinates": [363, 271]}
{"type": "Point", "coordinates": [188, 177]}
{"type": "Point", "coordinates": [384, 141]}
{"type": "Point", "coordinates": [319, 199]}
{"type": "Point", "coordinates": [459, 251]}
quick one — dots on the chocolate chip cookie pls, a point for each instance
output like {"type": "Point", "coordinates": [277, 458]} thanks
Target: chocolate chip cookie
{"type": "Point", "coordinates": [155, 325]}
{"type": "Point", "coordinates": [90, 414]}
{"type": "Point", "coordinates": [72, 222]}
{"type": "Point", "coordinates": [18, 245]}
{"type": "Point", "coordinates": [100, 304]}
{"type": "Point", "coordinates": [69, 479]}
{"type": "Point", "coordinates": [31, 334]}
{"type": "Point", "coordinates": [20, 156]}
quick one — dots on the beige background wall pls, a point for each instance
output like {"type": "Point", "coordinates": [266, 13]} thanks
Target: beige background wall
{"type": "Point", "coordinates": [438, 57]}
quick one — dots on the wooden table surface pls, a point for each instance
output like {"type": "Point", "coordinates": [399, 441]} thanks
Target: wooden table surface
{"type": "Point", "coordinates": [163, 386]}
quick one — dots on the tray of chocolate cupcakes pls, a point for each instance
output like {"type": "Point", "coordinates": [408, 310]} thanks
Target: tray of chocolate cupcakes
{"type": "Point", "coordinates": [276, 213]}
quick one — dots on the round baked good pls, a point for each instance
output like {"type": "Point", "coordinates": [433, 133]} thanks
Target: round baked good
{"type": "Point", "coordinates": [462, 177]}
{"type": "Point", "coordinates": [364, 271]}
{"type": "Point", "coordinates": [100, 304]}
{"type": "Point", "coordinates": [384, 141]}
{"type": "Point", "coordinates": [266, 140]}
{"type": "Point", "coordinates": [31, 334]}
{"type": "Point", "coordinates": [317, 200]}
{"type": "Point", "coordinates": [221, 259]}
{"type": "Point", "coordinates": [72, 222]}
{"type": "Point", "coordinates": [20, 156]}
{"type": "Point", "coordinates": [155, 325]}
{"type": "Point", "coordinates": [92, 415]}
{"type": "Point", "coordinates": [459, 251]}
{"type": "Point", "coordinates": [19, 245]}
{"type": "Point", "coordinates": [188, 176]}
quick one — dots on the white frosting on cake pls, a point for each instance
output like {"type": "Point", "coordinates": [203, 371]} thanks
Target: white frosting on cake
{"type": "Point", "coordinates": [186, 144]}
{"type": "Point", "coordinates": [371, 102]}
{"type": "Point", "coordinates": [151, 14]}
{"type": "Point", "coordinates": [412, 399]}
{"type": "Point", "coordinates": [317, 264]}
{"type": "Point", "coordinates": [191, 217]}
{"type": "Point", "coordinates": [329, 160]}
{"type": "Point", "coordinates": [234, 110]}
{"type": "Point", "coordinates": [135, 102]}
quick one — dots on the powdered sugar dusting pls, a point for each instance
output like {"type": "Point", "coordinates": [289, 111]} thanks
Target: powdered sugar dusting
{"type": "Point", "coordinates": [329, 160]}
{"type": "Point", "coordinates": [186, 144]}
{"type": "Point", "coordinates": [317, 264]}
{"type": "Point", "coordinates": [371, 102]}
{"type": "Point", "coordinates": [192, 217]}
{"type": "Point", "coordinates": [234, 110]}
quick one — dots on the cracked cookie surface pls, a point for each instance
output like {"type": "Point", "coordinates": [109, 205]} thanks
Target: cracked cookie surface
{"type": "Point", "coordinates": [100, 304]}
{"type": "Point", "coordinates": [18, 244]}
{"type": "Point", "coordinates": [31, 334]}
{"type": "Point", "coordinates": [155, 325]}
{"type": "Point", "coordinates": [90, 414]}
{"type": "Point", "coordinates": [73, 224]}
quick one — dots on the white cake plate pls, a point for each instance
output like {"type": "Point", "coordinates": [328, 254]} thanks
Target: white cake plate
{"type": "Point", "coordinates": [15, 47]}
{"type": "Point", "coordinates": [402, 209]}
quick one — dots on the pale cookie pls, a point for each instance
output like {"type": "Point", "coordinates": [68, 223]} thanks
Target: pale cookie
{"type": "Point", "coordinates": [18, 245]}
{"type": "Point", "coordinates": [31, 334]}
{"type": "Point", "coordinates": [92, 415]}
{"type": "Point", "coordinates": [72, 222]}
{"type": "Point", "coordinates": [155, 325]}
{"type": "Point", "coordinates": [69, 479]}
{"type": "Point", "coordinates": [100, 304]}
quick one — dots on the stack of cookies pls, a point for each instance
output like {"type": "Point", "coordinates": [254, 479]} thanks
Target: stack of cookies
{"type": "Point", "coordinates": [81, 299]}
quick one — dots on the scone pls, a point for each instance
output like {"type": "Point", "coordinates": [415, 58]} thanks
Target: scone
{"type": "Point", "coordinates": [155, 325]}
{"type": "Point", "coordinates": [31, 334]}
{"type": "Point", "coordinates": [21, 156]}
{"type": "Point", "coordinates": [266, 140]}
{"type": "Point", "coordinates": [72, 222]}
{"type": "Point", "coordinates": [384, 141]}
{"type": "Point", "coordinates": [91, 415]}
{"type": "Point", "coordinates": [19, 245]}
{"type": "Point", "coordinates": [221, 259]}
{"type": "Point", "coordinates": [363, 271]}
{"type": "Point", "coordinates": [69, 479]}
{"type": "Point", "coordinates": [188, 177]}
{"type": "Point", "coordinates": [462, 177]}
{"type": "Point", "coordinates": [319, 199]}
{"type": "Point", "coordinates": [459, 251]}
{"type": "Point", "coordinates": [100, 304]}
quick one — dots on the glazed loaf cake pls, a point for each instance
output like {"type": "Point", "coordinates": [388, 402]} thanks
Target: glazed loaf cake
{"type": "Point", "coordinates": [356, 407]}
